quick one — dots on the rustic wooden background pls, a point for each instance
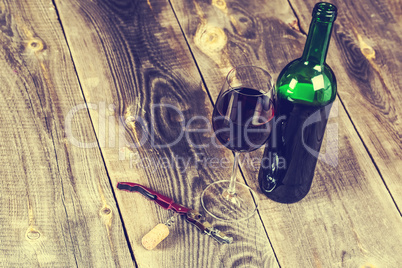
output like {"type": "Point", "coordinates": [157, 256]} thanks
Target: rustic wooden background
{"type": "Point", "coordinates": [77, 75]}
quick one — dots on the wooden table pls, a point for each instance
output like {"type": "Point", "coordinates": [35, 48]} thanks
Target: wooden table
{"type": "Point", "coordinates": [96, 92]}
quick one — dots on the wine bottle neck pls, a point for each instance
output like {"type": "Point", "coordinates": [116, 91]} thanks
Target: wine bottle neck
{"type": "Point", "coordinates": [317, 42]}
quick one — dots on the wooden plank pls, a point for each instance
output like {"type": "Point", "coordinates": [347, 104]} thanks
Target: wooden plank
{"type": "Point", "coordinates": [348, 218]}
{"type": "Point", "coordinates": [131, 56]}
{"type": "Point", "coordinates": [57, 208]}
{"type": "Point", "coordinates": [367, 61]}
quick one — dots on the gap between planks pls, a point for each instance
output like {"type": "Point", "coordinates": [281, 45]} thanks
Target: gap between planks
{"type": "Point", "coordinates": [96, 136]}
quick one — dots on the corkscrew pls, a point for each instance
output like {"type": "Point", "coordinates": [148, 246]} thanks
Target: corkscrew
{"type": "Point", "coordinates": [160, 232]}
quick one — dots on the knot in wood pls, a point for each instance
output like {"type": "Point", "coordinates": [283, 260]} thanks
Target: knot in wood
{"type": "Point", "coordinates": [295, 25]}
{"type": "Point", "coordinates": [368, 52]}
{"type": "Point", "coordinates": [210, 38]}
{"type": "Point", "coordinates": [33, 234]}
{"type": "Point", "coordinates": [130, 119]}
{"type": "Point", "coordinates": [221, 4]}
{"type": "Point", "coordinates": [106, 211]}
{"type": "Point", "coordinates": [35, 45]}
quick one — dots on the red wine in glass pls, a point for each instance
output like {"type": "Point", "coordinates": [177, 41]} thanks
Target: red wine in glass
{"type": "Point", "coordinates": [242, 119]}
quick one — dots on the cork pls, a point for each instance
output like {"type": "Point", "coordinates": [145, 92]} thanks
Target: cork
{"type": "Point", "coordinates": [155, 236]}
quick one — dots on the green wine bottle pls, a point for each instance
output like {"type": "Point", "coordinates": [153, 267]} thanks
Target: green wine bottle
{"type": "Point", "coordinates": [305, 91]}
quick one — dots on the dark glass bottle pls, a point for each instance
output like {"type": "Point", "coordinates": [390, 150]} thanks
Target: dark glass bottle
{"type": "Point", "coordinates": [305, 91]}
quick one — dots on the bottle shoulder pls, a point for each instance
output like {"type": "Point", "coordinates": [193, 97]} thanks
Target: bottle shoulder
{"type": "Point", "coordinates": [307, 82]}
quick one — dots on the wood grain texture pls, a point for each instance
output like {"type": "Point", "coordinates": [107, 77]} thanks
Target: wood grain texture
{"type": "Point", "coordinates": [338, 223]}
{"type": "Point", "coordinates": [135, 66]}
{"type": "Point", "coordinates": [367, 61]}
{"type": "Point", "coordinates": [57, 208]}
{"type": "Point", "coordinates": [56, 202]}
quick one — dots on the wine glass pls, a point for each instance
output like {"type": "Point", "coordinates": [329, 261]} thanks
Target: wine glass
{"type": "Point", "coordinates": [242, 121]}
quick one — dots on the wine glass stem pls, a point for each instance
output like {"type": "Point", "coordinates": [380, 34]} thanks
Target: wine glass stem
{"type": "Point", "coordinates": [232, 185]}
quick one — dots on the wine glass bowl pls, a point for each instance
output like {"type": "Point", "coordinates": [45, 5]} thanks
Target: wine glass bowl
{"type": "Point", "coordinates": [242, 122]}
{"type": "Point", "coordinates": [242, 119]}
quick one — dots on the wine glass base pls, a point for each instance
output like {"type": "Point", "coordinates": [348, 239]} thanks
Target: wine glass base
{"type": "Point", "coordinates": [224, 206]}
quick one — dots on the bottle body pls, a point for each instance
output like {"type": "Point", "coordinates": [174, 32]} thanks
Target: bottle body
{"type": "Point", "coordinates": [305, 91]}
